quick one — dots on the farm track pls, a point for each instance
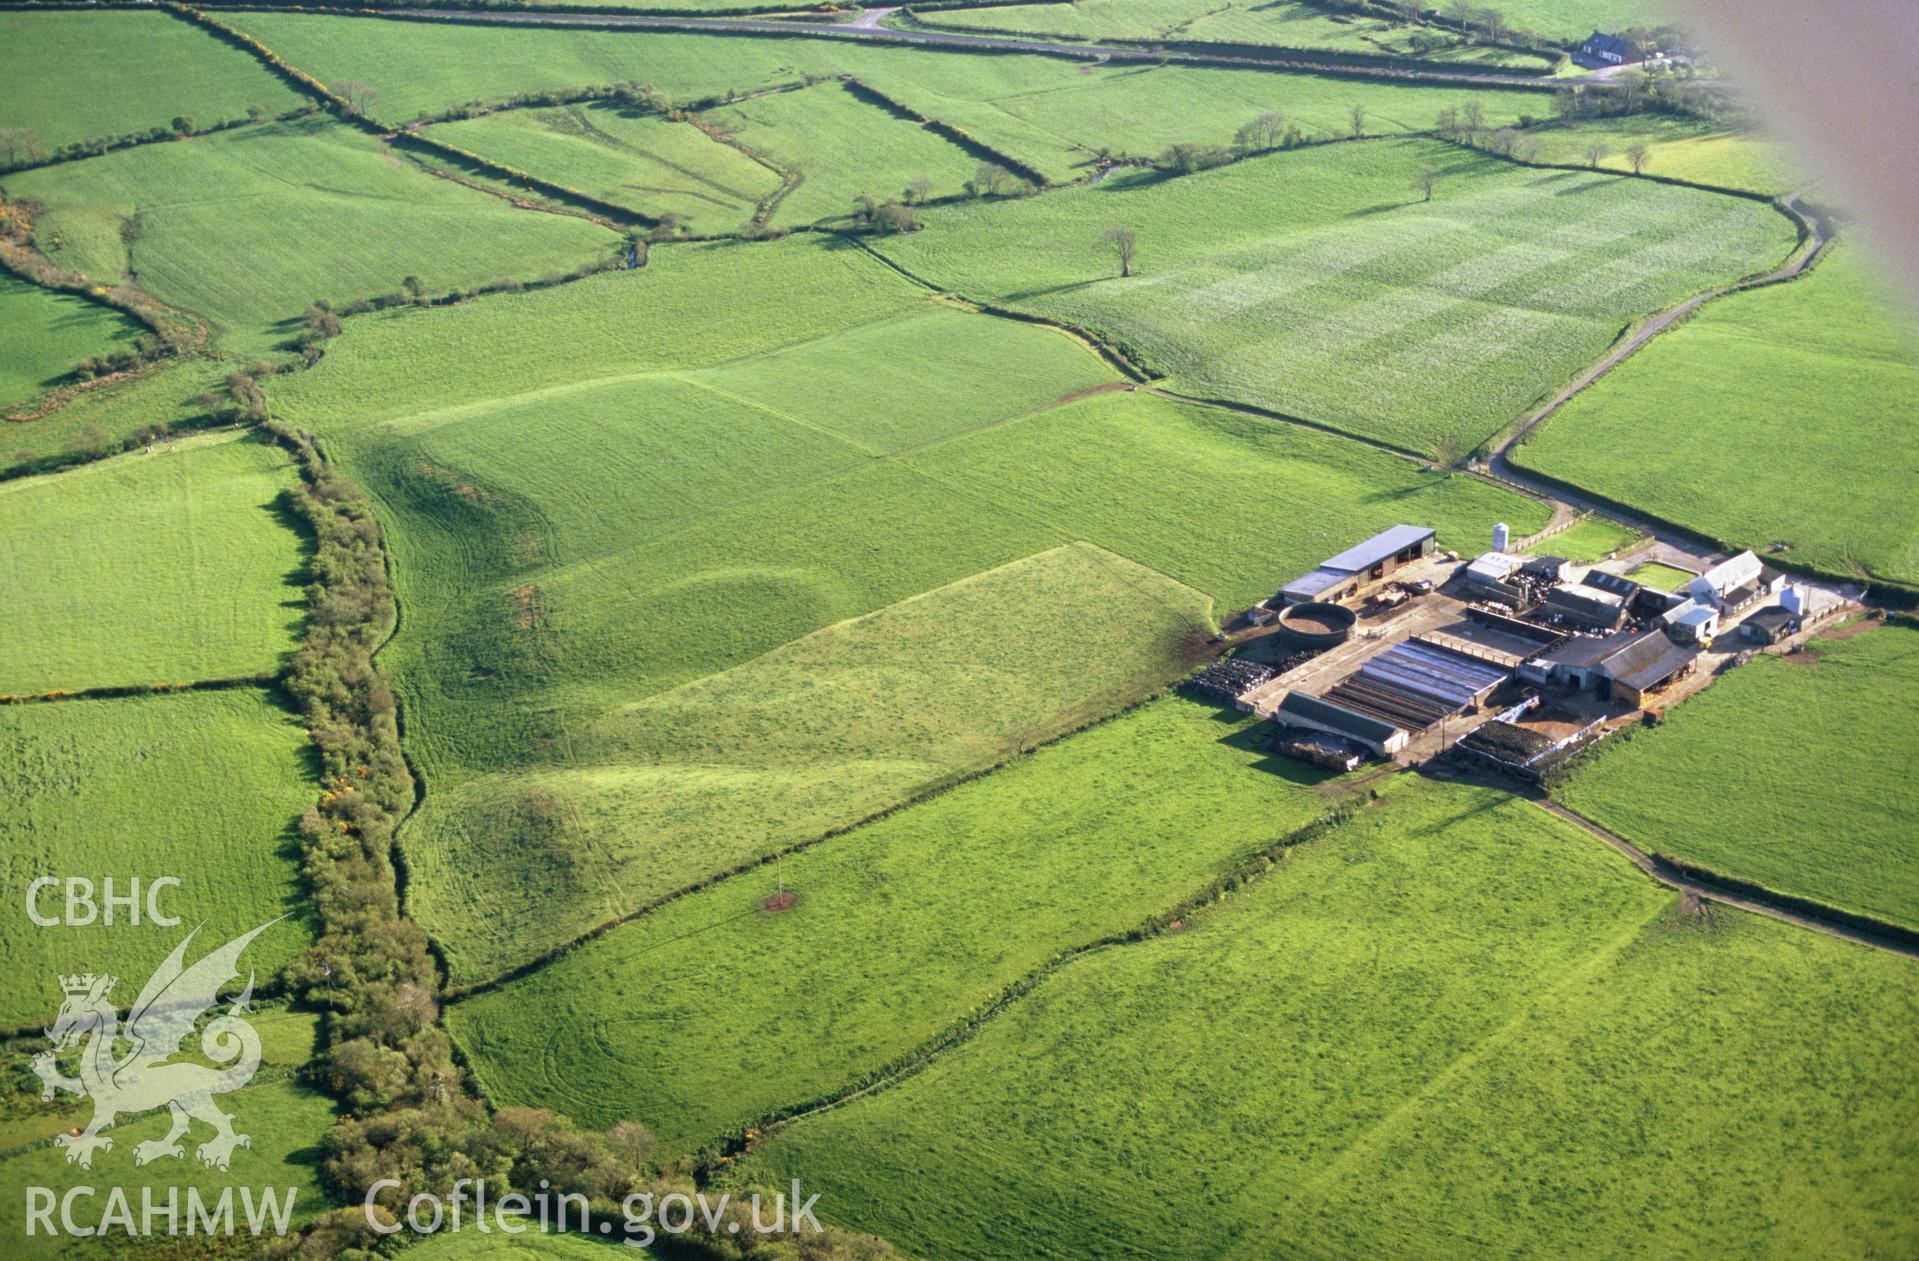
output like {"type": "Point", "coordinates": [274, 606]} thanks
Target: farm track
{"type": "Point", "coordinates": [885, 34]}
{"type": "Point", "coordinates": [1889, 938]}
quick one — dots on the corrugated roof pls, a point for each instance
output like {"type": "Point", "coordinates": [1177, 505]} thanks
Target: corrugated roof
{"type": "Point", "coordinates": [1377, 548]}
{"type": "Point", "coordinates": [1371, 730]}
{"type": "Point", "coordinates": [1321, 580]}
{"type": "Point", "coordinates": [1616, 583]}
{"type": "Point", "coordinates": [1657, 667]}
{"type": "Point", "coordinates": [1734, 571]}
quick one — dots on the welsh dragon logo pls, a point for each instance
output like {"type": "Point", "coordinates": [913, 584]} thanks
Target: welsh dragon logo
{"type": "Point", "coordinates": [142, 1079]}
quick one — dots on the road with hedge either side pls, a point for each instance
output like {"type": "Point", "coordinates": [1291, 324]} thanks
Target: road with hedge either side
{"type": "Point", "coordinates": [822, 30]}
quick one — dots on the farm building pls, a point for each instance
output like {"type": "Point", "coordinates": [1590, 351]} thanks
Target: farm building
{"type": "Point", "coordinates": [1625, 666]}
{"type": "Point", "coordinates": [1382, 738]}
{"type": "Point", "coordinates": [1736, 583]}
{"type": "Point", "coordinates": [1588, 606]}
{"type": "Point", "coordinates": [1344, 576]}
{"type": "Point", "coordinates": [1771, 624]}
{"type": "Point", "coordinates": [1416, 684]}
{"type": "Point", "coordinates": [1492, 573]}
{"type": "Point", "coordinates": [1691, 622]}
{"type": "Point", "coordinates": [1611, 50]}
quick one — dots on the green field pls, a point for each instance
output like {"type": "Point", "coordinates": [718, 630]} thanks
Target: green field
{"type": "Point", "coordinates": [1050, 112]}
{"type": "Point", "coordinates": [901, 929]}
{"type": "Point", "coordinates": [1455, 1025]}
{"type": "Point", "coordinates": [284, 1121]}
{"type": "Point", "coordinates": [1660, 577]}
{"type": "Point", "coordinates": [1572, 20]}
{"type": "Point", "coordinates": [152, 567]}
{"type": "Point", "coordinates": [841, 146]}
{"type": "Point", "coordinates": [249, 227]}
{"type": "Point", "coordinates": [1767, 742]}
{"type": "Point", "coordinates": [1592, 539]}
{"type": "Point", "coordinates": [81, 76]}
{"type": "Point", "coordinates": [471, 1245]}
{"type": "Point", "coordinates": [1230, 504]}
{"type": "Point", "coordinates": [1683, 148]}
{"type": "Point", "coordinates": [640, 161]}
{"type": "Point", "coordinates": [1284, 25]}
{"type": "Point", "coordinates": [1319, 284]}
{"type": "Point", "coordinates": [815, 735]}
{"type": "Point", "coordinates": [202, 786]}
{"type": "Point", "coordinates": [101, 419]}
{"type": "Point", "coordinates": [1782, 414]}
{"type": "Point", "coordinates": [44, 334]}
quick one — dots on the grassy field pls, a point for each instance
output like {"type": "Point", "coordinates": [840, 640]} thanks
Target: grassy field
{"type": "Point", "coordinates": [44, 334]}
{"type": "Point", "coordinates": [1592, 539]}
{"type": "Point", "coordinates": [1453, 1025]}
{"type": "Point", "coordinates": [103, 418]}
{"type": "Point", "coordinates": [900, 929]}
{"type": "Point", "coordinates": [1782, 414]}
{"type": "Point", "coordinates": [1768, 742]}
{"type": "Point", "coordinates": [1321, 285]}
{"type": "Point", "coordinates": [815, 735]}
{"type": "Point", "coordinates": [470, 1245]}
{"type": "Point", "coordinates": [841, 146]}
{"type": "Point", "coordinates": [202, 786]}
{"type": "Point", "coordinates": [1050, 112]}
{"type": "Point", "coordinates": [283, 1119]}
{"type": "Point", "coordinates": [1660, 577]}
{"type": "Point", "coordinates": [641, 161]}
{"type": "Point", "coordinates": [1230, 504]}
{"type": "Point", "coordinates": [77, 76]}
{"type": "Point", "coordinates": [1283, 25]}
{"type": "Point", "coordinates": [1572, 20]}
{"type": "Point", "coordinates": [151, 567]}
{"type": "Point", "coordinates": [249, 227]}
{"type": "Point", "coordinates": [1683, 148]}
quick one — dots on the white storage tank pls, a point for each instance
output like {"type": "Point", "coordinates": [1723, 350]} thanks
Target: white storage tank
{"type": "Point", "coordinates": [1501, 536]}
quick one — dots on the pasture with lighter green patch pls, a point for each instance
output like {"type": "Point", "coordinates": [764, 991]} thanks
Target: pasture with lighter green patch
{"type": "Point", "coordinates": [200, 786]}
{"type": "Point", "coordinates": [1453, 1023]}
{"type": "Point", "coordinates": [813, 736]}
{"type": "Point", "coordinates": [841, 146]}
{"type": "Point", "coordinates": [1682, 148]}
{"type": "Point", "coordinates": [899, 930]}
{"type": "Point", "coordinates": [1766, 743]}
{"type": "Point", "coordinates": [162, 566]}
{"type": "Point", "coordinates": [1660, 577]}
{"type": "Point", "coordinates": [644, 162]}
{"type": "Point", "coordinates": [83, 76]}
{"type": "Point", "coordinates": [248, 227]}
{"type": "Point", "coordinates": [44, 334]}
{"type": "Point", "coordinates": [1781, 414]}
{"type": "Point", "coordinates": [1321, 285]}
{"type": "Point", "coordinates": [1593, 539]}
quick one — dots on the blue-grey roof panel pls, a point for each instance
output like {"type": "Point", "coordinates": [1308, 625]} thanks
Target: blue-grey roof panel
{"type": "Point", "coordinates": [1377, 548]}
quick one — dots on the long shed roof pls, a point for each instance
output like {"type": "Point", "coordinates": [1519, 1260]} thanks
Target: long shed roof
{"type": "Point", "coordinates": [1385, 544]}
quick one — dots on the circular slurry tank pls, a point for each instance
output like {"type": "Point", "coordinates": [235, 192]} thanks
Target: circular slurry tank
{"type": "Point", "coordinates": [1316, 625]}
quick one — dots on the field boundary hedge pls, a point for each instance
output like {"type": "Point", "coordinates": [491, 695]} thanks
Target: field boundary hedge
{"type": "Point", "coordinates": [1174, 919]}
{"type": "Point", "coordinates": [971, 145]}
{"type": "Point", "coordinates": [120, 691]}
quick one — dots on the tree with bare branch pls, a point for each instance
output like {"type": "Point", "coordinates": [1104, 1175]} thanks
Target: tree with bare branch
{"type": "Point", "coordinates": [1596, 152]}
{"type": "Point", "coordinates": [359, 97]}
{"type": "Point", "coordinates": [1423, 182]}
{"type": "Point", "coordinates": [1638, 155]}
{"type": "Point", "coordinates": [1123, 244]}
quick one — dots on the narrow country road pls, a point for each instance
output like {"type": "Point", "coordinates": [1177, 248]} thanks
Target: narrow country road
{"type": "Point", "coordinates": [870, 18]}
{"type": "Point", "coordinates": [862, 30]}
{"type": "Point", "coordinates": [1709, 892]}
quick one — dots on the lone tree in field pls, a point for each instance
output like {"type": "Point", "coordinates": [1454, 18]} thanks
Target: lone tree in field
{"type": "Point", "coordinates": [18, 144]}
{"type": "Point", "coordinates": [918, 189]}
{"type": "Point", "coordinates": [1424, 181]}
{"type": "Point", "coordinates": [359, 97]}
{"type": "Point", "coordinates": [1359, 121]}
{"type": "Point", "coordinates": [1264, 132]}
{"type": "Point", "coordinates": [1638, 154]}
{"type": "Point", "coordinates": [1123, 244]}
{"type": "Point", "coordinates": [1596, 152]}
{"type": "Point", "coordinates": [990, 179]}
